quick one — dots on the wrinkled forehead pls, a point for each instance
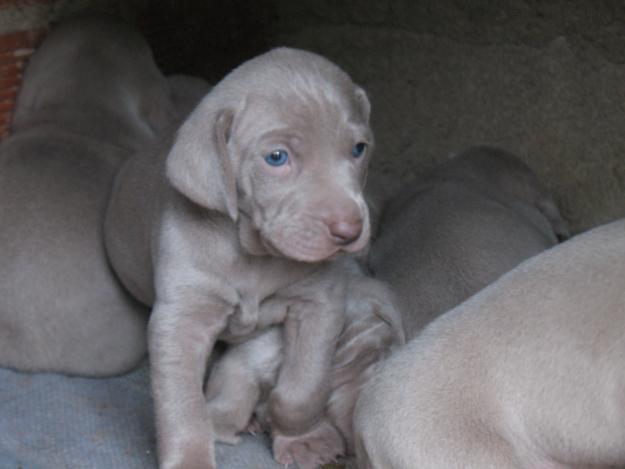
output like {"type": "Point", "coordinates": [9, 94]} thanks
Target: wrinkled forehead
{"type": "Point", "coordinates": [304, 115]}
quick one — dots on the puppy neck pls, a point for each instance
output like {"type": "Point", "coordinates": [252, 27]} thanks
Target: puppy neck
{"type": "Point", "coordinates": [250, 238]}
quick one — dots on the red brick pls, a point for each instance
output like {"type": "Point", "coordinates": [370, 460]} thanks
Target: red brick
{"type": "Point", "coordinates": [9, 60]}
{"type": "Point", "coordinates": [8, 81]}
{"type": "Point", "coordinates": [8, 98]}
{"type": "Point", "coordinates": [9, 72]}
{"type": "Point", "coordinates": [12, 68]}
{"type": "Point", "coordinates": [5, 126]}
{"type": "Point", "coordinates": [15, 50]}
{"type": "Point", "coordinates": [9, 90]}
{"type": "Point", "coordinates": [7, 105]}
{"type": "Point", "coordinates": [14, 56]}
{"type": "Point", "coordinates": [21, 40]}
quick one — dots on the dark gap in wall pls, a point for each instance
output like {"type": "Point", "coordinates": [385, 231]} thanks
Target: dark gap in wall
{"type": "Point", "coordinates": [207, 39]}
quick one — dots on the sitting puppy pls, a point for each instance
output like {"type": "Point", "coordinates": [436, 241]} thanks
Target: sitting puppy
{"type": "Point", "coordinates": [456, 230]}
{"type": "Point", "coordinates": [231, 229]}
{"type": "Point", "coordinates": [91, 95]}
{"type": "Point", "coordinates": [528, 373]}
{"type": "Point", "coordinates": [241, 380]}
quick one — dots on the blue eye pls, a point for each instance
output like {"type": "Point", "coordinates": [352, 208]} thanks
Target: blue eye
{"type": "Point", "coordinates": [277, 158]}
{"type": "Point", "coordinates": [359, 149]}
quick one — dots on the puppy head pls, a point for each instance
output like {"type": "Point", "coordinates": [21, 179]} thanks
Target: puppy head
{"type": "Point", "coordinates": [507, 174]}
{"type": "Point", "coordinates": [98, 67]}
{"type": "Point", "coordinates": [281, 145]}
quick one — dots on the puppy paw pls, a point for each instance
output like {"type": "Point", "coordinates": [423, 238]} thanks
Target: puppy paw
{"type": "Point", "coordinates": [227, 436]}
{"type": "Point", "coordinates": [224, 427]}
{"type": "Point", "coordinates": [230, 434]}
{"type": "Point", "coordinates": [189, 458]}
{"type": "Point", "coordinates": [254, 426]}
{"type": "Point", "coordinates": [321, 445]}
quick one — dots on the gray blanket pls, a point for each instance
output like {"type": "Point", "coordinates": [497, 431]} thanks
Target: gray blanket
{"type": "Point", "coordinates": [57, 422]}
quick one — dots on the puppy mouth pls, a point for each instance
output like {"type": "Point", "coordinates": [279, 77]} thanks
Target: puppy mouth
{"type": "Point", "coordinates": [357, 245]}
{"type": "Point", "coordinates": [327, 248]}
{"type": "Point", "coordinates": [306, 239]}
{"type": "Point", "coordinates": [302, 245]}
{"type": "Point", "coordinates": [300, 251]}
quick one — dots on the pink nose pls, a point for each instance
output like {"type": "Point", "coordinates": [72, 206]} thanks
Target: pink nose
{"type": "Point", "coordinates": [345, 232]}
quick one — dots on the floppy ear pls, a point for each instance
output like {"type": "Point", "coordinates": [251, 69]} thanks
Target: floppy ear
{"type": "Point", "coordinates": [373, 329]}
{"type": "Point", "coordinates": [199, 165]}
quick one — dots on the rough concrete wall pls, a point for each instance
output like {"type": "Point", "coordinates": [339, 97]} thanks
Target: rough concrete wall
{"type": "Point", "coordinates": [545, 80]}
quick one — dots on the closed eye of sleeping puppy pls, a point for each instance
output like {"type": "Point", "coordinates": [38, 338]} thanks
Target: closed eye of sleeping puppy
{"type": "Point", "coordinates": [455, 230]}
{"type": "Point", "coordinates": [259, 191]}
{"type": "Point", "coordinates": [528, 373]}
{"type": "Point", "coordinates": [242, 378]}
{"type": "Point", "coordinates": [90, 97]}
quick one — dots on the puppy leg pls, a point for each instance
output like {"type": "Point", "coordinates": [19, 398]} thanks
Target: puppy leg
{"type": "Point", "coordinates": [232, 394]}
{"type": "Point", "coordinates": [238, 380]}
{"type": "Point", "coordinates": [298, 401]}
{"type": "Point", "coordinates": [321, 445]}
{"type": "Point", "coordinates": [180, 339]}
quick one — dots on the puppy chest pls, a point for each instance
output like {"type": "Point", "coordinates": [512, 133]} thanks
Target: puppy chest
{"type": "Point", "coordinates": [256, 289]}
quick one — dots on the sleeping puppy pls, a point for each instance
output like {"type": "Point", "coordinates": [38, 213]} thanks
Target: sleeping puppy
{"type": "Point", "coordinates": [95, 75]}
{"type": "Point", "coordinates": [91, 95]}
{"type": "Point", "coordinates": [528, 373]}
{"type": "Point", "coordinates": [241, 380]}
{"type": "Point", "coordinates": [454, 231]}
{"type": "Point", "coordinates": [232, 228]}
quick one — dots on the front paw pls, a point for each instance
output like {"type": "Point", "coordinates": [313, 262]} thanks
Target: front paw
{"type": "Point", "coordinates": [189, 456]}
{"type": "Point", "coordinates": [225, 427]}
{"type": "Point", "coordinates": [321, 445]}
{"type": "Point", "coordinates": [254, 426]}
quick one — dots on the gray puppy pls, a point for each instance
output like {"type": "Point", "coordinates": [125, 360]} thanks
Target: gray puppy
{"type": "Point", "coordinates": [456, 230]}
{"type": "Point", "coordinates": [528, 373]}
{"type": "Point", "coordinates": [91, 95]}
{"type": "Point", "coordinates": [241, 380]}
{"type": "Point", "coordinates": [230, 230]}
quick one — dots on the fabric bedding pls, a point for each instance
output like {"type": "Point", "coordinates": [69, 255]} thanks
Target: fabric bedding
{"type": "Point", "coordinates": [52, 421]}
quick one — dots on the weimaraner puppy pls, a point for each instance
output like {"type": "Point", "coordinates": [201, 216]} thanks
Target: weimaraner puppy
{"type": "Point", "coordinates": [91, 96]}
{"type": "Point", "coordinates": [243, 377]}
{"type": "Point", "coordinates": [457, 229]}
{"type": "Point", "coordinates": [528, 373]}
{"type": "Point", "coordinates": [232, 229]}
